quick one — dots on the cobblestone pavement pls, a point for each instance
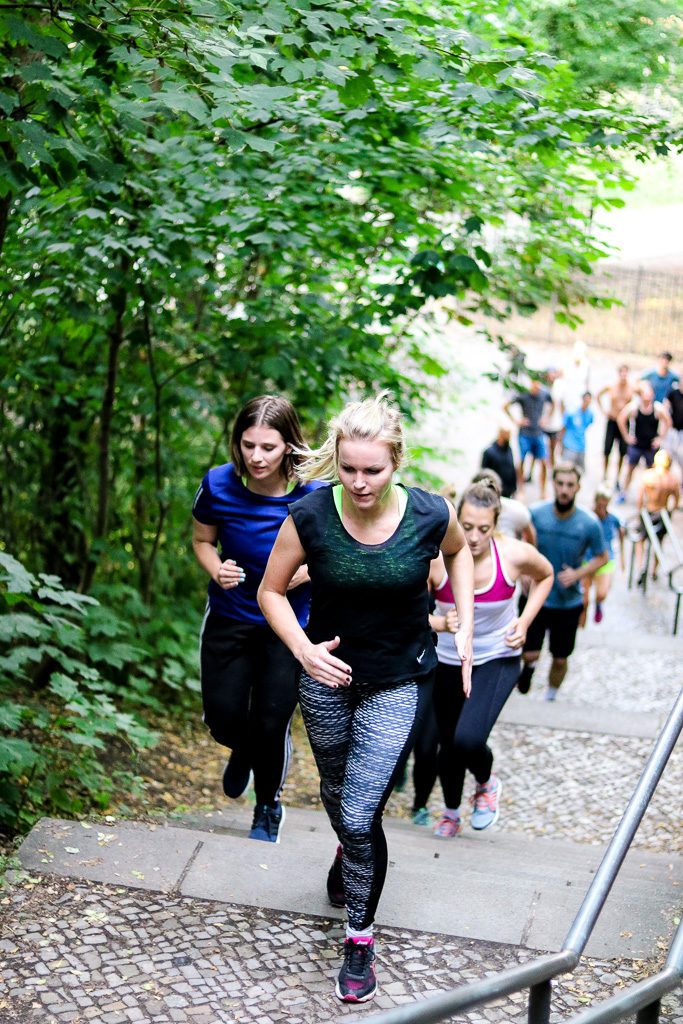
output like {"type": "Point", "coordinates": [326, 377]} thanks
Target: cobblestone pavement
{"type": "Point", "coordinates": [97, 953]}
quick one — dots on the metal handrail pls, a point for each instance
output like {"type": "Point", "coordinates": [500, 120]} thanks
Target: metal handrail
{"type": "Point", "coordinates": [537, 975]}
{"type": "Point", "coordinates": [644, 996]}
{"type": "Point", "coordinates": [654, 545]}
{"type": "Point", "coordinates": [669, 527]}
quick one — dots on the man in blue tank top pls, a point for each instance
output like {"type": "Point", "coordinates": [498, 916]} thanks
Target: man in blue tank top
{"type": "Point", "coordinates": [571, 538]}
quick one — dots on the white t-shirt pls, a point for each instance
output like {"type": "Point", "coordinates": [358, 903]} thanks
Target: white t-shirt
{"type": "Point", "coordinates": [514, 517]}
{"type": "Point", "coordinates": [555, 419]}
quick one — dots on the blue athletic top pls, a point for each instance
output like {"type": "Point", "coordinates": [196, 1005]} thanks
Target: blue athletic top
{"type": "Point", "coordinates": [566, 543]}
{"type": "Point", "coordinates": [247, 524]}
{"type": "Point", "coordinates": [575, 425]}
{"type": "Point", "coordinates": [611, 525]}
{"type": "Point", "coordinates": [661, 385]}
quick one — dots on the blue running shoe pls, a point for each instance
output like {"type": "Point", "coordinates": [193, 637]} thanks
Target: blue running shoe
{"type": "Point", "coordinates": [486, 798]}
{"type": "Point", "coordinates": [267, 823]}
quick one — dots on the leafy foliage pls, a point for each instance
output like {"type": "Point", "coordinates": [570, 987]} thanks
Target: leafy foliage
{"type": "Point", "coordinates": [201, 201]}
{"type": "Point", "coordinates": [204, 201]}
{"type": "Point", "coordinates": [644, 39]}
{"type": "Point", "coordinates": [71, 681]}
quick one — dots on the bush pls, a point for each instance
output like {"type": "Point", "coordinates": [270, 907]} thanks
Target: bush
{"type": "Point", "coordinates": [76, 678]}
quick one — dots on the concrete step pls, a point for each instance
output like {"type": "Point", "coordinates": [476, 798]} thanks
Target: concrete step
{"type": "Point", "coordinates": [574, 716]}
{"type": "Point", "coordinates": [492, 885]}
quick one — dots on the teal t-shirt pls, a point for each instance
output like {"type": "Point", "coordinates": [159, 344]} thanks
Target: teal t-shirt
{"type": "Point", "coordinates": [566, 543]}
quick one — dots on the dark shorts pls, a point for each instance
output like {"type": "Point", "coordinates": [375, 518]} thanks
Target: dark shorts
{"type": "Point", "coordinates": [612, 434]}
{"type": "Point", "coordinates": [635, 454]}
{"type": "Point", "coordinates": [660, 528]}
{"type": "Point", "coordinates": [561, 624]}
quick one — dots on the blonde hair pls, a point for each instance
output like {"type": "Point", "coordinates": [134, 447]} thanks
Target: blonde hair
{"type": "Point", "coordinates": [373, 419]}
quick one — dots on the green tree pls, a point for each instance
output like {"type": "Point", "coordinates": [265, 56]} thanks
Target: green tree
{"type": "Point", "coordinates": [203, 202]}
{"type": "Point", "coordinates": [615, 47]}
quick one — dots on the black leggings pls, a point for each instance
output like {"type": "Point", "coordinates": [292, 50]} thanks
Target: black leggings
{"type": "Point", "coordinates": [359, 735]}
{"type": "Point", "coordinates": [465, 724]}
{"type": "Point", "coordinates": [425, 759]}
{"type": "Point", "coordinates": [249, 693]}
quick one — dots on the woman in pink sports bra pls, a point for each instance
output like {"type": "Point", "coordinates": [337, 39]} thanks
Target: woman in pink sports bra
{"type": "Point", "coordinates": [499, 633]}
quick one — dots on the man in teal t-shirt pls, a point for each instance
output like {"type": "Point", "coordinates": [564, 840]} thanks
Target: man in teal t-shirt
{"type": "Point", "coordinates": [571, 538]}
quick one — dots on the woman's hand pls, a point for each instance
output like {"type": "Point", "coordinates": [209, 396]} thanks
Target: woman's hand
{"type": "Point", "coordinates": [229, 574]}
{"type": "Point", "coordinates": [516, 635]}
{"type": "Point", "coordinates": [452, 621]}
{"type": "Point", "coordinates": [463, 645]}
{"type": "Point", "coordinates": [323, 666]}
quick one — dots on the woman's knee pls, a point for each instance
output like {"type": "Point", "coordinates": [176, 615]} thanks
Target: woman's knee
{"type": "Point", "coordinates": [468, 745]}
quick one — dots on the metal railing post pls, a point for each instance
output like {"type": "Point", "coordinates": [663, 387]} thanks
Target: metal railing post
{"type": "Point", "coordinates": [649, 1014]}
{"type": "Point", "coordinates": [622, 838]}
{"type": "Point", "coordinates": [539, 1002]}
{"type": "Point", "coordinates": [671, 533]}
{"type": "Point", "coordinates": [646, 564]}
{"type": "Point", "coordinates": [632, 565]}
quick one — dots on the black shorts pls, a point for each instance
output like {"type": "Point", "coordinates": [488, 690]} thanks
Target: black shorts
{"type": "Point", "coordinates": [659, 527]}
{"type": "Point", "coordinates": [561, 624]}
{"type": "Point", "coordinates": [612, 434]}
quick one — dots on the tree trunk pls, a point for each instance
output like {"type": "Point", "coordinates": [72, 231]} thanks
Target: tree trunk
{"type": "Point", "coordinates": [116, 339]}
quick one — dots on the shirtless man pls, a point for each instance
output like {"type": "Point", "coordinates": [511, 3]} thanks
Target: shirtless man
{"type": "Point", "coordinates": [659, 489]}
{"type": "Point", "coordinates": [620, 394]}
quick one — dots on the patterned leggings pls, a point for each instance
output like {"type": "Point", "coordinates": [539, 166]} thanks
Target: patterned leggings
{"type": "Point", "coordinates": [359, 735]}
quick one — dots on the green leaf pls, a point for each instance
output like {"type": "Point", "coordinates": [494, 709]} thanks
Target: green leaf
{"type": "Point", "coordinates": [17, 579]}
{"type": "Point", "coordinates": [16, 755]}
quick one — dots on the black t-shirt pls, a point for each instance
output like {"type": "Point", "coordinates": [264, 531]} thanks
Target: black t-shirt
{"type": "Point", "coordinates": [645, 428]}
{"type": "Point", "coordinates": [675, 400]}
{"type": "Point", "coordinates": [501, 460]}
{"type": "Point", "coordinates": [532, 406]}
{"type": "Point", "coordinates": [373, 596]}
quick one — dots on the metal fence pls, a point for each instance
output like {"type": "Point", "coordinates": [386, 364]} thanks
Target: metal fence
{"type": "Point", "coordinates": [646, 318]}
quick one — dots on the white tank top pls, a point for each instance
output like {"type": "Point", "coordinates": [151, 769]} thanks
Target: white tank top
{"type": "Point", "coordinates": [494, 610]}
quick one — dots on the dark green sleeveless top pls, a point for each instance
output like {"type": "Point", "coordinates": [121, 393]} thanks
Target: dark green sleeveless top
{"type": "Point", "coordinates": [373, 596]}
